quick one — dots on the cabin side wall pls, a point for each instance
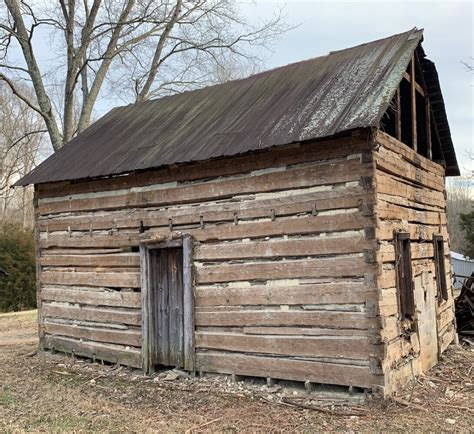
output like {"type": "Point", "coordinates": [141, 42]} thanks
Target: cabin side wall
{"type": "Point", "coordinates": [411, 197]}
{"type": "Point", "coordinates": [284, 262]}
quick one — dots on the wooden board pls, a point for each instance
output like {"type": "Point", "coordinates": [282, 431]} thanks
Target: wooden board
{"type": "Point", "coordinates": [280, 248]}
{"type": "Point", "coordinates": [93, 298]}
{"type": "Point", "coordinates": [117, 316]}
{"type": "Point", "coordinates": [111, 353]}
{"type": "Point", "coordinates": [320, 174]}
{"type": "Point", "coordinates": [301, 346]}
{"type": "Point", "coordinates": [289, 369]}
{"type": "Point", "coordinates": [321, 267]}
{"type": "Point", "coordinates": [273, 317]}
{"type": "Point", "coordinates": [115, 280]}
{"type": "Point", "coordinates": [124, 337]}
{"type": "Point", "coordinates": [315, 293]}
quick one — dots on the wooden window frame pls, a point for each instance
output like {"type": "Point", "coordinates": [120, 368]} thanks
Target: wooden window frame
{"type": "Point", "coordinates": [186, 243]}
{"type": "Point", "coordinates": [404, 276]}
{"type": "Point", "coordinates": [440, 268]}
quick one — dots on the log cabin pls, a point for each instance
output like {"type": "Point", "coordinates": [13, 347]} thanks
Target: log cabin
{"type": "Point", "coordinates": [289, 225]}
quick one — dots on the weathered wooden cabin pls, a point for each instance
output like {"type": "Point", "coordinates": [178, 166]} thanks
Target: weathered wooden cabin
{"type": "Point", "coordinates": [289, 225]}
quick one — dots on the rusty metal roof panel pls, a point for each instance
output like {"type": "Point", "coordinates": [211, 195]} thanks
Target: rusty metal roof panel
{"type": "Point", "coordinates": [315, 98]}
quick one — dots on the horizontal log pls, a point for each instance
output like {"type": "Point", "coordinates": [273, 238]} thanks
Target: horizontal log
{"type": "Point", "coordinates": [94, 298]}
{"type": "Point", "coordinates": [288, 369]}
{"type": "Point", "coordinates": [103, 260]}
{"type": "Point", "coordinates": [302, 346]}
{"type": "Point", "coordinates": [315, 175]}
{"type": "Point", "coordinates": [408, 154]}
{"type": "Point", "coordinates": [387, 184]}
{"type": "Point", "coordinates": [247, 318]}
{"type": "Point", "coordinates": [129, 317]}
{"type": "Point", "coordinates": [315, 293]}
{"type": "Point", "coordinates": [304, 331]}
{"type": "Point", "coordinates": [322, 149]}
{"type": "Point", "coordinates": [404, 202]}
{"type": "Point", "coordinates": [108, 352]}
{"type": "Point", "coordinates": [114, 280]}
{"type": "Point", "coordinates": [321, 267]}
{"type": "Point", "coordinates": [281, 248]}
{"type": "Point", "coordinates": [260, 229]}
{"type": "Point", "coordinates": [385, 230]}
{"type": "Point", "coordinates": [388, 211]}
{"type": "Point", "coordinates": [123, 337]}
{"type": "Point", "coordinates": [393, 163]}
{"type": "Point", "coordinates": [289, 202]}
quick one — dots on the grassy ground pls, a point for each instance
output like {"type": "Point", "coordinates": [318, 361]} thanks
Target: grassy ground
{"type": "Point", "coordinates": [57, 393]}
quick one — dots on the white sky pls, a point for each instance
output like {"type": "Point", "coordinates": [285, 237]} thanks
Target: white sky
{"type": "Point", "coordinates": [332, 25]}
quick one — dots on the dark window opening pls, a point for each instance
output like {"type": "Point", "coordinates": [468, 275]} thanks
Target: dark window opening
{"type": "Point", "coordinates": [421, 139]}
{"type": "Point", "coordinates": [389, 119]}
{"type": "Point", "coordinates": [440, 267]}
{"type": "Point", "coordinates": [405, 113]}
{"type": "Point", "coordinates": [406, 298]}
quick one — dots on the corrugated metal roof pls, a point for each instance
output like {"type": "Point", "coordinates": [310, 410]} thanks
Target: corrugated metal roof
{"type": "Point", "coordinates": [315, 98]}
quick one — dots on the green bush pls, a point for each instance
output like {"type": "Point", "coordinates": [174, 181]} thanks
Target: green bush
{"type": "Point", "coordinates": [17, 261]}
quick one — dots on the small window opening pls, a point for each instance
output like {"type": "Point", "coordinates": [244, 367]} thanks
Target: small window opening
{"type": "Point", "coordinates": [440, 267]}
{"type": "Point", "coordinates": [405, 288]}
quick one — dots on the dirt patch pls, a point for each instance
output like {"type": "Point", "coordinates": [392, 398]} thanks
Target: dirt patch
{"type": "Point", "coordinates": [52, 392]}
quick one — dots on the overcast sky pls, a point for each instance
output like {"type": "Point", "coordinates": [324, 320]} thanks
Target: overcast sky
{"type": "Point", "coordinates": [333, 25]}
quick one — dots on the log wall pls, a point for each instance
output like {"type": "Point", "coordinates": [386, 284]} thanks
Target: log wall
{"type": "Point", "coordinates": [284, 261]}
{"type": "Point", "coordinates": [411, 197]}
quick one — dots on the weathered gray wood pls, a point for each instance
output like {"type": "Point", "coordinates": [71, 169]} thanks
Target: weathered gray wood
{"type": "Point", "coordinates": [274, 317]}
{"type": "Point", "coordinates": [146, 312]}
{"type": "Point", "coordinates": [318, 174]}
{"type": "Point", "coordinates": [296, 346]}
{"type": "Point", "coordinates": [341, 291]}
{"type": "Point", "coordinates": [111, 353]}
{"type": "Point", "coordinates": [292, 247]}
{"type": "Point", "coordinates": [103, 260]}
{"type": "Point", "coordinates": [314, 267]}
{"type": "Point", "coordinates": [123, 337]}
{"type": "Point", "coordinates": [288, 204]}
{"type": "Point", "coordinates": [188, 305]}
{"type": "Point", "coordinates": [321, 149]}
{"type": "Point", "coordinates": [118, 316]}
{"type": "Point", "coordinates": [287, 369]}
{"type": "Point", "coordinates": [94, 298]}
{"type": "Point", "coordinates": [116, 280]}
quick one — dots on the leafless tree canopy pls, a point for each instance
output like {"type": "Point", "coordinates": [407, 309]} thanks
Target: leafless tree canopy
{"type": "Point", "coordinates": [20, 144]}
{"type": "Point", "coordinates": [460, 201]}
{"type": "Point", "coordinates": [132, 49]}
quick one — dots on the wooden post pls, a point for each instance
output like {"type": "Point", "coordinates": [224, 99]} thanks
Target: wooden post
{"type": "Point", "coordinates": [145, 308]}
{"type": "Point", "coordinates": [398, 116]}
{"type": "Point", "coordinates": [188, 304]}
{"type": "Point", "coordinates": [429, 152]}
{"type": "Point", "coordinates": [413, 103]}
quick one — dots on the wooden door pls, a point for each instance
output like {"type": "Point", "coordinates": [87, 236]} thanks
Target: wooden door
{"type": "Point", "coordinates": [167, 304]}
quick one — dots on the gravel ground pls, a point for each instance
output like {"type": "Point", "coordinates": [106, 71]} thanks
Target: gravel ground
{"type": "Point", "coordinates": [56, 393]}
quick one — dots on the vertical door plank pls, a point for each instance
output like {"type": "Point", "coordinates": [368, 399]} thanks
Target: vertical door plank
{"type": "Point", "coordinates": [179, 309]}
{"type": "Point", "coordinates": [173, 306]}
{"type": "Point", "coordinates": [188, 305]}
{"type": "Point", "coordinates": [163, 307]}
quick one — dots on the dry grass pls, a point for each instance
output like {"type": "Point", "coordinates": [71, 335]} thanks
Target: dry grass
{"type": "Point", "coordinates": [57, 393]}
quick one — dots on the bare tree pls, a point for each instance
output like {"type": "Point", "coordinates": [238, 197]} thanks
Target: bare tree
{"type": "Point", "coordinates": [21, 131]}
{"type": "Point", "coordinates": [132, 49]}
{"type": "Point", "coordinates": [460, 200]}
